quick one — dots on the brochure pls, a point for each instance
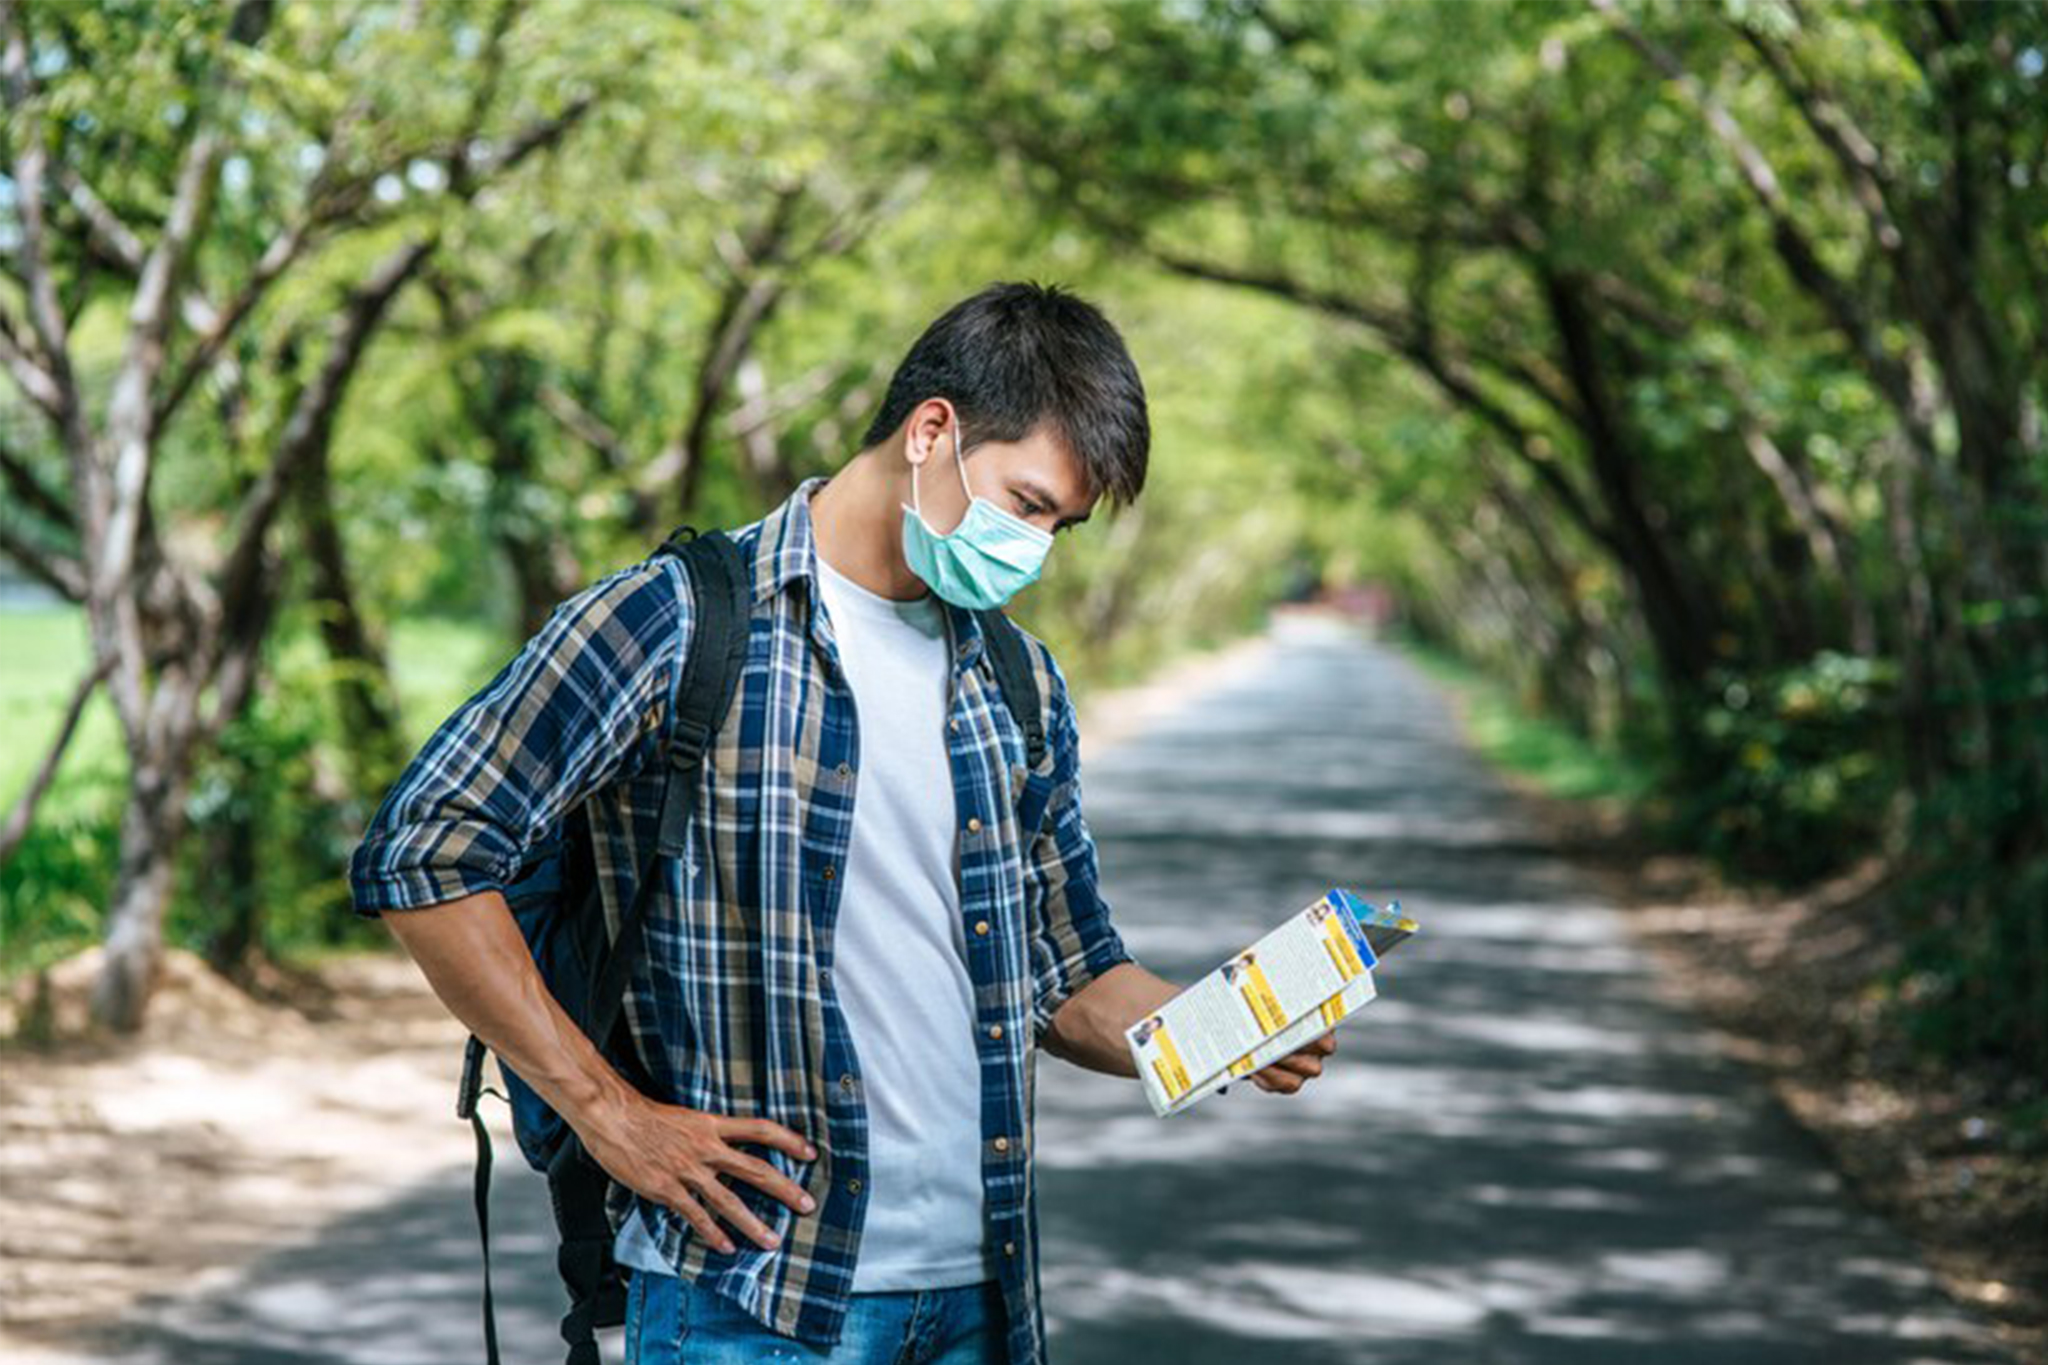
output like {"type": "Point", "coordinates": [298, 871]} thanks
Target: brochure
{"type": "Point", "coordinates": [1301, 980]}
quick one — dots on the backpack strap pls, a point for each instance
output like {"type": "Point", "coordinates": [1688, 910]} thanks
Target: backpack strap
{"type": "Point", "coordinates": [577, 1185]}
{"type": "Point", "coordinates": [711, 675]}
{"type": "Point", "coordinates": [1014, 676]}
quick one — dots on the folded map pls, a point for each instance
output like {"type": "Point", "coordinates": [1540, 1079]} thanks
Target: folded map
{"type": "Point", "coordinates": [1288, 989]}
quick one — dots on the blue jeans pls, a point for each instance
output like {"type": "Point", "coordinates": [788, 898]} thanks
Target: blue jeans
{"type": "Point", "coordinates": [671, 1322]}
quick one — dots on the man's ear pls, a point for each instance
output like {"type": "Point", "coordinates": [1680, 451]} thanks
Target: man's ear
{"type": "Point", "coordinates": [927, 429]}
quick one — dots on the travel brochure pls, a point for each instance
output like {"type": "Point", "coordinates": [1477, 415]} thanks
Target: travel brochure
{"type": "Point", "coordinates": [1300, 981]}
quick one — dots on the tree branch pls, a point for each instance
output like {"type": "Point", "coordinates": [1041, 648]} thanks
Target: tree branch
{"type": "Point", "coordinates": [763, 410]}
{"type": "Point", "coordinates": [31, 163]}
{"type": "Point", "coordinates": [585, 425]}
{"type": "Point", "coordinates": [18, 820]}
{"type": "Point", "coordinates": [1851, 147]}
{"type": "Point", "coordinates": [59, 573]}
{"type": "Point", "coordinates": [1400, 333]}
{"type": "Point", "coordinates": [328, 206]}
{"type": "Point", "coordinates": [105, 231]}
{"type": "Point", "coordinates": [35, 382]}
{"type": "Point", "coordinates": [755, 287]}
{"type": "Point", "coordinates": [1794, 247]}
{"type": "Point", "coordinates": [312, 419]}
{"type": "Point", "coordinates": [32, 492]}
{"type": "Point", "coordinates": [130, 422]}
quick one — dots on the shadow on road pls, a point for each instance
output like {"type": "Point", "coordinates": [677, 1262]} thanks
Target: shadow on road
{"type": "Point", "coordinates": [1521, 1154]}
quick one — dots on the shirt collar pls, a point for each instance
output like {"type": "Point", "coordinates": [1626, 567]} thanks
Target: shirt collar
{"type": "Point", "coordinates": [786, 551]}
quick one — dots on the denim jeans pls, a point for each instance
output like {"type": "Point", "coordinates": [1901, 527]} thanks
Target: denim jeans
{"type": "Point", "coordinates": [671, 1322]}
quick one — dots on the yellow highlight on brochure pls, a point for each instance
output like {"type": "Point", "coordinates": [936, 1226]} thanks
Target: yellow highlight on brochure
{"type": "Point", "coordinates": [1245, 973]}
{"type": "Point", "coordinates": [1242, 1065]}
{"type": "Point", "coordinates": [1343, 951]}
{"type": "Point", "coordinates": [1171, 1070]}
{"type": "Point", "coordinates": [1333, 1010]}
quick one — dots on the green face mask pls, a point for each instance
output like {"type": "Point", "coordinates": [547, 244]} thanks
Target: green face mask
{"type": "Point", "coordinates": [984, 560]}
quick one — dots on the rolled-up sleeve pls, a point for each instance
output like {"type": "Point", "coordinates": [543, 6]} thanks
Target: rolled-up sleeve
{"type": "Point", "coordinates": [580, 706]}
{"type": "Point", "coordinates": [1072, 940]}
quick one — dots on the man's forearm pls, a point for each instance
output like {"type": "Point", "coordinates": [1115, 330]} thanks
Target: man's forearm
{"type": "Point", "coordinates": [474, 957]}
{"type": "Point", "coordinates": [1088, 1030]}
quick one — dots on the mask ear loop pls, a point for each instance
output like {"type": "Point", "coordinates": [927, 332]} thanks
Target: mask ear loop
{"type": "Point", "coordinates": [960, 461]}
{"type": "Point", "coordinates": [959, 464]}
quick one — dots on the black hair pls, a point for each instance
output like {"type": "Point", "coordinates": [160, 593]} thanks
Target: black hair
{"type": "Point", "coordinates": [1019, 354]}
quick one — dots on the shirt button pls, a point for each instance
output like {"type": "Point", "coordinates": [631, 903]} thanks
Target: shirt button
{"type": "Point", "coordinates": [845, 771]}
{"type": "Point", "coordinates": [846, 1083]}
{"type": "Point", "coordinates": [974, 824]}
{"type": "Point", "coordinates": [995, 1030]}
{"type": "Point", "coordinates": [981, 926]}
{"type": "Point", "coordinates": [825, 976]}
{"type": "Point", "coordinates": [853, 1185]}
{"type": "Point", "coordinates": [1002, 1144]}
{"type": "Point", "coordinates": [828, 874]}
{"type": "Point", "coordinates": [1009, 1248]}
{"type": "Point", "coordinates": [954, 725]}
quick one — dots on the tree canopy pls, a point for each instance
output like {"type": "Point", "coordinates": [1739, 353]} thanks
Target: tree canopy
{"type": "Point", "coordinates": [1683, 365]}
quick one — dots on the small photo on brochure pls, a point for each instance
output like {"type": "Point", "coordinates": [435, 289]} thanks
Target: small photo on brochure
{"type": "Point", "coordinates": [1245, 973]}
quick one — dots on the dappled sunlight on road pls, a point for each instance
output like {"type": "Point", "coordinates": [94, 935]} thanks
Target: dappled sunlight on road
{"type": "Point", "coordinates": [1520, 1153]}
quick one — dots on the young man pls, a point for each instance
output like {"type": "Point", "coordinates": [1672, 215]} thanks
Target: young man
{"type": "Point", "coordinates": [842, 999]}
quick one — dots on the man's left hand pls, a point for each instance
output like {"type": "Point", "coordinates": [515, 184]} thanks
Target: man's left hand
{"type": "Point", "coordinates": [1297, 1068]}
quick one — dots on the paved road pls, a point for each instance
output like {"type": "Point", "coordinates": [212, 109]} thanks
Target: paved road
{"type": "Point", "coordinates": [1523, 1155]}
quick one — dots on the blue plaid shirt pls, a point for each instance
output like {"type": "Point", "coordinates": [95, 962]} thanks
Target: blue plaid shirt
{"type": "Point", "coordinates": [734, 1008]}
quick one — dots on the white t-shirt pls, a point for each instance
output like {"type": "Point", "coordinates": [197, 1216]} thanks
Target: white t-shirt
{"type": "Point", "coordinates": [899, 956]}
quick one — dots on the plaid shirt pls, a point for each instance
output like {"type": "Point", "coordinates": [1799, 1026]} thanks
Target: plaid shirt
{"type": "Point", "coordinates": [734, 1009]}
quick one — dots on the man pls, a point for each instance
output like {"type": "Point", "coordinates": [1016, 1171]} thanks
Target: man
{"type": "Point", "coordinates": [842, 998]}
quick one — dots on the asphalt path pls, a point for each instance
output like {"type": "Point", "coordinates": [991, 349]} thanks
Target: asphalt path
{"type": "Point", "coordinates": [1523, 1152]}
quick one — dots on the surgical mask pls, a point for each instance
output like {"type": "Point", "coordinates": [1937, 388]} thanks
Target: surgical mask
{"type": "Point", "coordinates": [983, 561]}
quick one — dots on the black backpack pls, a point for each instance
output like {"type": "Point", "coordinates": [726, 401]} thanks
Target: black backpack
{"type": "Point", "coordinates": [555, 899]}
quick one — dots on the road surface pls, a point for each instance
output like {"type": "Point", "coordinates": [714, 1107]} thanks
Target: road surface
{"type": "Point", "coordinates": [1522, 1153]}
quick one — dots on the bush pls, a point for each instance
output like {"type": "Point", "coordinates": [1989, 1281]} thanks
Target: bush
{"type": "Point", "coordinates": [1795, 779]}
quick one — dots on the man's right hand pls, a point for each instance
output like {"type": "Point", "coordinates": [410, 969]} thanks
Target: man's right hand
{"type": "Point", "coordinates": [675, 1157]}
{"type": "Point", "coordinates": [474, 957]}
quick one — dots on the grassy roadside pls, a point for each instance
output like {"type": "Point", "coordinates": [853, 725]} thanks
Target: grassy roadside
{"type": "Point", "coordinates": [1540, 752]}
{"type": "Point", "coordinates": [1788, 980]}
{"type": "Point", "coordinates": [53, 888]}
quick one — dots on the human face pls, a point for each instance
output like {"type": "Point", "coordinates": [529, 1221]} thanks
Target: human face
{"type": "Point", "coordinates": [1034, 479]}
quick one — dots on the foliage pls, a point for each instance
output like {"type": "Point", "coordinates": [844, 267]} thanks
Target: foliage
{"type": "Point", "coordinates": [1802, 771]}
{"type": "Point", "coordinates": [1682, 367]}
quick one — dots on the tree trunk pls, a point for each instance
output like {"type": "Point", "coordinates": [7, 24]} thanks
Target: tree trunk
{"type": "Point", "coordinates": [363, 691]}
{"type": "Point", "coordinates": [235, 877]}
{"type": "Point", "coordinates": [502, 396]}
{"type": "Point", "coordinates": [150, 827]}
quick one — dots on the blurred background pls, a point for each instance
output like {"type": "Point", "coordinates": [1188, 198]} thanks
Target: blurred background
{"type": "Point", "coordinates": [1663, 385]}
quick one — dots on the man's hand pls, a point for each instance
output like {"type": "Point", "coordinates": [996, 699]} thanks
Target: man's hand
{"type": "Point", "coordinates": [474, 957]}
{"type": "Point", "coordinates": [1089, 1029]}
{"type": "Point", "coordinates": [675, 1157]}
{"type": "Point", "coordinates": [1297, 1068]}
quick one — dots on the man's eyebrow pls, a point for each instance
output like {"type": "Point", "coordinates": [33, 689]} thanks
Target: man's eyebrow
{"type": "Point", "coordinates": [1037, 491]}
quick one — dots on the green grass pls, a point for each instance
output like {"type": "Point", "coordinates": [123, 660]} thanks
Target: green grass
{"type": "Point", "coordinates": [53, 888]}
{"type": "Point", "coordinates": [43, 654]}
{"type": "Point", "coordinates": [1552, 756]}
{"type": "Point", "coordinates": [43, 650]}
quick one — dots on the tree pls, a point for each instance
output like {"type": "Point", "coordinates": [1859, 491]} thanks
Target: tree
{"type": "Point", "coordinates": [171, 183]}
{"type": "Point", "coordinates": [1793, 399]}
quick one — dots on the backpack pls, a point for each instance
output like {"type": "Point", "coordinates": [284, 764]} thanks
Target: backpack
{"type": "Point", "coordinates": [555, 900]}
